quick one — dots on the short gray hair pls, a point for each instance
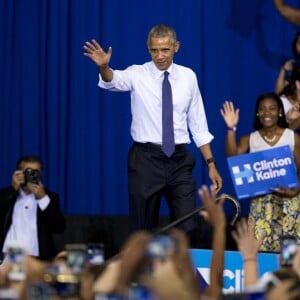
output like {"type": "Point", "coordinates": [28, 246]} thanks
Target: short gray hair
{"type": "Point", "coordinates": [161, 31]}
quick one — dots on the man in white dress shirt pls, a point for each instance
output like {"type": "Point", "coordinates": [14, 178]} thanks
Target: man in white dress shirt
{"type": "Point", "coordinates": [151, 172]}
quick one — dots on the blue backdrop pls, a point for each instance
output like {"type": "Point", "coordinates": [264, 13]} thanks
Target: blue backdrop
{"type": "Point", "coordinates": [51, 105]}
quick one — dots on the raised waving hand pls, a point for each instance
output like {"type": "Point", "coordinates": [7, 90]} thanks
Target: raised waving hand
{"type": "Point", "coordinates": [94, 51]}
{"type": "Point", "coordinates": [230, 114]}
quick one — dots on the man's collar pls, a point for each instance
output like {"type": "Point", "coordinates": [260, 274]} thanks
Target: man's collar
{"type": "Point", "coordinates": [158, 73]}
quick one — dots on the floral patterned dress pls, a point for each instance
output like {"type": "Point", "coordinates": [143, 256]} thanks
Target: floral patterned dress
{"type": "Point", "coordinates": [276, 216]}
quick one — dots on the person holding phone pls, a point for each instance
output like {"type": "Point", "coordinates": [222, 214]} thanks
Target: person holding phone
{"type": "Point", "coordinates": [278, 212]}
{"type": "Point", "coordinates": [30, 213]}
{"type": "Point", "coordinates": [289, 247]}
{"type": "Point", "coordinates": [290, 98]}
{"type": "Point", "coordinates": [284, 75]}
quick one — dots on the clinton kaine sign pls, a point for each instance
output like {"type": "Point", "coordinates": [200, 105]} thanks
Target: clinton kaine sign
{"type": "Point", "coordinates": [257, 173]}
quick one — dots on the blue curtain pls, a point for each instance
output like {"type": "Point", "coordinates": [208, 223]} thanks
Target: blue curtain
{"type": "Point", "coordinates": [51, 105]}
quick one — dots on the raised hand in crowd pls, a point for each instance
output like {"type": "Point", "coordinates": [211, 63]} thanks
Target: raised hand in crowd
{"type": "Point", "coordinates": [132, 260]}
{"type": "Point", "coordinates": [216, 217]}
{"type": "Point", "coordinates": [281, 81]}
{"type": "Point", "coordinates": [121, 272]}
{"type": "Point", "coordinates": [284, 290]}
{"type": "Point", "coordinates": [33, 269]}
{"type": "Point", "coordinates": [106, 283]}
{"type": "Point", "coordinates": [174, 277]}
{"type": "Point", "coordinates": [231, 117]}
{"type": "Point", "coordinates": [248, 245]}
{"type": "Point", "coordinates": [290, 13]}
{"type": "Point", "coordinates": [245, 239]}
{"type": "Point", "coordinates": [230, 114]}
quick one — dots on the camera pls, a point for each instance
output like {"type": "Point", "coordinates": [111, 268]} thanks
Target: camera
{"type": "Point", "coordinates": [33, 176]}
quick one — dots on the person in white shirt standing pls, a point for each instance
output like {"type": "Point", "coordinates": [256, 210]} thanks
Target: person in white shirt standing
{"type": "Point", "coordinates": [156, 170]}
{"type": "Point", "coordinates": [30, 213]}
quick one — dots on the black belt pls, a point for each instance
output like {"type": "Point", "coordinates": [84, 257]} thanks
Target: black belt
{"type": "Point", "coordinates": [153, 146]}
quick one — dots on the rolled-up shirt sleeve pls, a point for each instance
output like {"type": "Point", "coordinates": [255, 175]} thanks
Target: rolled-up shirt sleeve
{"type": "Point", "coordinates": [44, 202]}
{"type": "Point", "coordinates": [120, 83]}
{"type": "Point", "coordinates": [196, 118]}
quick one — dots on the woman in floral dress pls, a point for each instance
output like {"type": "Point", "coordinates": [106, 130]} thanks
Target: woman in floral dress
{"type": "Point", "coordinates": [278, 213]}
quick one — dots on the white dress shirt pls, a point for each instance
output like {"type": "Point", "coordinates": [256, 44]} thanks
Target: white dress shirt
{"type": "Point", "coordinates": [23, 229]}
{"type": "Point", "coordinates": [145, 85]}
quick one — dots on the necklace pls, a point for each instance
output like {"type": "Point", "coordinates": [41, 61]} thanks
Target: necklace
{"type": "Point", "coordinates": [270, 140]}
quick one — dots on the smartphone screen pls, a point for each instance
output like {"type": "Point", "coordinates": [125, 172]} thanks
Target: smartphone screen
{"type": "Point", "coordinates": [288, 250]}
{"type": "Point", "coordinates": [161, 246]}
{"type": "Point", "coordinates": [16, 256]}
{"type": "Point", "coordinates": [159, 249]}
{"type": "Point", "coordinates": [76, 257]}
{"type": "Point", "coordinates": [95, 253]}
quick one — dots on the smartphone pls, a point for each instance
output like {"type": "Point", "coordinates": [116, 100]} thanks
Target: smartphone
{"type": "Point", "coordinates": [159, 248]}
{"type": "Point", "coordinates": [95, 253]}
{"type": "Point", "coordinates": [16, 257]}
{"type": "Point", "coordinates": [76, 257]}
{"type": "Point", "coordinates": [289, 246]}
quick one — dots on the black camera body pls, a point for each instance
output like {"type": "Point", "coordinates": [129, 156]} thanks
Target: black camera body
{"type": "Point", "coordinates": [33, 176]}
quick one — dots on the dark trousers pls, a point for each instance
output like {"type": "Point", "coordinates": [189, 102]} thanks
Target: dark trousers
{"type": "Point", "coordinates": [151, 175]}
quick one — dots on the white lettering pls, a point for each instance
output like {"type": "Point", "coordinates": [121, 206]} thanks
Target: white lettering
{"type": "Point", "coordinates": [270, 174]}
{"type": "Point", "coordinates": [264, 165]}
{"type": "Point", "coordinates": [238, 285]}
{"type": "Point", "coordinates": [230, 275]}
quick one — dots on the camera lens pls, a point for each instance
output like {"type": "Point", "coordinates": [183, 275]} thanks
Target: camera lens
{"type": "Point", "coordinates": [33, 176]}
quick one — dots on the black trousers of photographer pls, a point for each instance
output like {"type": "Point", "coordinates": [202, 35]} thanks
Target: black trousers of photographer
{"type": "Point", "coordinates": [151, 175]}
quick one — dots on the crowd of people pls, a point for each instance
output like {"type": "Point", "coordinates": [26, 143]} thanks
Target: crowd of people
{"type": "Point", "coordinates": [166, 105]}
{"type": "Point", "coordinates": [150, 266]}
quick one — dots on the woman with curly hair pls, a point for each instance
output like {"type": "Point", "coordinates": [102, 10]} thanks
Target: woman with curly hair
{"type": "Point", "coordinates": [277, 213]}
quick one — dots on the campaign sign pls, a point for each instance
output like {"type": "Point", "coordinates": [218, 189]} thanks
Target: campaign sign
{"type": "Point", "coordinates": [233, 274]}
{"type": "Point", "coordinates": [257, 173]}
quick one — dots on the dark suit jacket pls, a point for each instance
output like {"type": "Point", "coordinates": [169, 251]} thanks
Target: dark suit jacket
{"type": "Point", "coordinates": [49, 221]}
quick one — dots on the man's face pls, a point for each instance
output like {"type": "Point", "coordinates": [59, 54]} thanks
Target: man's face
{"type": "Point", "coordinates": [162, 51]}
